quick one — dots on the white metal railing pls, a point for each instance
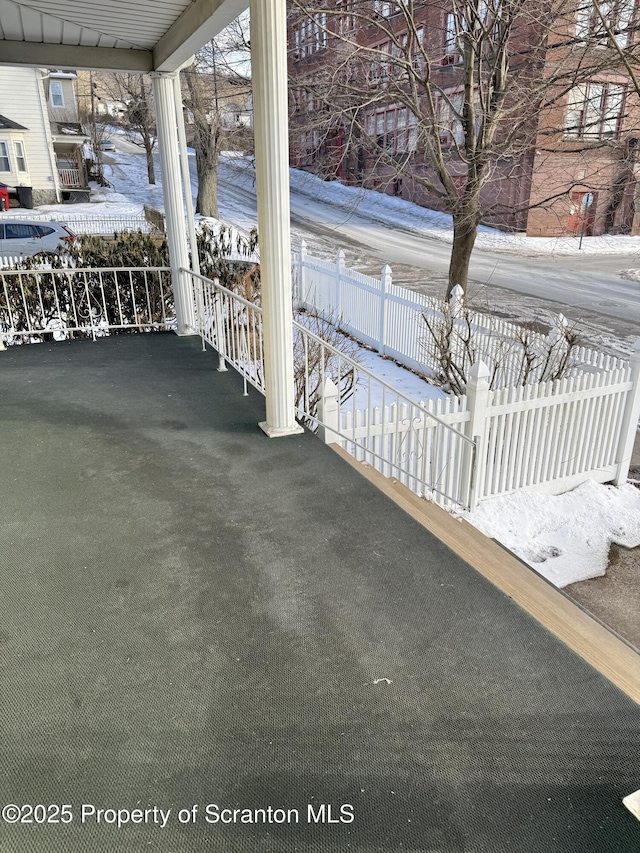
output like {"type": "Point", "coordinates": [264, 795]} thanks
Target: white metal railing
{"type": "Point", "coordinates": [69, 177]}
{"type": "Point", "coordinates": [84, 302]}
{"type": "Point", "coordinates": [429, 455]}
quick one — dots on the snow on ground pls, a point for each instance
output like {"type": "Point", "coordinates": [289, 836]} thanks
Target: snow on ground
{"type": "Point", "coordinates": [431, 223]}
{"type": "Point", "coordinates": [566, 537]}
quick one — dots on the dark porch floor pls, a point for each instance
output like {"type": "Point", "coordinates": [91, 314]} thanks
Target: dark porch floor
{"type": "Point", "coordinates": [192, 613]}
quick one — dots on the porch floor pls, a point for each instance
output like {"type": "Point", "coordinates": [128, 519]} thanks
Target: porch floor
{"type": "Point", "coordinates": [191, 613]}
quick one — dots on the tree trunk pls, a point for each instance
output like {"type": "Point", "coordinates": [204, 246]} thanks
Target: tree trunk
{"type": "Point", "coordinates": [207, 140]}
{"type": "Point", "coordinates": [151, 170]}
{"type": "Point", "coordinates": [207, 201]}
{"type": "Point", "coordinates": [465, 228]}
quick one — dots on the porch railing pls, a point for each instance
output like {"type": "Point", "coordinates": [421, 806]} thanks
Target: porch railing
{"type": "Point", "coordinates": [92, 303]}
{"type": "Point", "coordinates": [428, 455]}
{"type": "Point", "coordinates": [69, 177]}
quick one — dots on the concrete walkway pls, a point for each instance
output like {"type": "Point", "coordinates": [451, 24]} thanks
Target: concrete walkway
{"type": "Point", "coordinates": [193, 614]}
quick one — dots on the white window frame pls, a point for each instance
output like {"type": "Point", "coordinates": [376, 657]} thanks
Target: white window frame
{"type": "Point", "coordinates": [59, 93]}
{"type": "Point", "coordinates": [595, 111]}
{"type": "Point", "coordinates": [4, 157]}
{"type": "Point", "coordinates": [618, 15]}
{"type": "Point", "coordinates": [21, 156]}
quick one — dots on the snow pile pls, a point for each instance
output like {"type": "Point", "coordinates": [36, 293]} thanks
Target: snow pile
{"type": "Point", "coordinates": [565, 537]}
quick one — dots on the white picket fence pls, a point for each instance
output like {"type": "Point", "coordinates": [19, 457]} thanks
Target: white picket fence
{"type": "Point", "coordinates": [548, 437]}
{"type": "Point", "coordinates": [392, 320]}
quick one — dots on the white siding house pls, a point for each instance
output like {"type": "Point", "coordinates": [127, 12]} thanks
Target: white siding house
{"type": "Point", "coordinates": [27, 156]}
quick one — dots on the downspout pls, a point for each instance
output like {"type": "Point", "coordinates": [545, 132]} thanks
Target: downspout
{"type": "Point", "coordinates": [49, 138]}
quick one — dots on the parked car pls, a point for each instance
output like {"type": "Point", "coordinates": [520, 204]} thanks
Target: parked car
{"type": "Point", "coordinates": [27, 238]}
{"type": "Point", "coordinates": [107, 145]}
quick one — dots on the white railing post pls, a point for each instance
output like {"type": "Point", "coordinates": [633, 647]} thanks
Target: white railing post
{"type": "Point", "coordinates": [221, 335]}
{"type": "Point", "coordinates": [340, 268]}
{"type": "Point", "coordinates": [385, 284]}
{"type": "Point", "coordinates": [300, 281]}
{"type": "Point", "coordinates": [329, 413]}
{"type": "Point", "coordinates": [477, 402]}
{"type": "Point", "coordinates": [629, 426]}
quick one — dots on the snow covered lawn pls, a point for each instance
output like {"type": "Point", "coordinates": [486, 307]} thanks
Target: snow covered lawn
{"type": "Point", "coordinates": [565, 537]}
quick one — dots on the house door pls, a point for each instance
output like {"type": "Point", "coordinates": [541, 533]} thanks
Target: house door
{"type": "Point", "coordinates": [582, 213]}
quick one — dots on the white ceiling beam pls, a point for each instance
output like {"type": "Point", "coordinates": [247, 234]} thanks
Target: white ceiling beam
{"type": "Point", "coordinates": [197, 25]}
{"type": "Point", "coordinates": [41, 55]}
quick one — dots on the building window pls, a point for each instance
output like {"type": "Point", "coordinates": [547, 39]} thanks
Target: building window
{"type": "Point", "coordinates": [394, 129]}
{"type": "Point", "coordinates": [595, 111]}
{"type": "Point", "coordinates": [346, 22]}
{"type": "Point", "coordinates": [310, 36]}
{"type": "Point", "coordinates": [384, 10]}
{"type": "Point", "coordinates": [615, 16]}
{"type": "Point", "coordinates": [451, 55]}
{"type": "Point", "coordinates": [5, 165]}
{"type": "Point", "coordinates": [21, 160]}
{"type": "Point", "coordinates": [448, 117]}
{"type": "Point", "coordinates": [55, 93]}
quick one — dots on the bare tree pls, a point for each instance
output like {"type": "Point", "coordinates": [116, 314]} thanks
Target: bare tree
{"type": "Point", "coordinates": [455, 98]}
{"type": "Point", "coordinates": [217, 88]}
{"type": "Point", "coordinates": [135, 95]}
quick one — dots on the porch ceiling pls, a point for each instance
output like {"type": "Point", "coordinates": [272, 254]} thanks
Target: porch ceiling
{"type": "Point", "coordinates": [126, 35]}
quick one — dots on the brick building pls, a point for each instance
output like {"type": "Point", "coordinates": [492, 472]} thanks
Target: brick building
{"type": "Point", "coordinates": [565, 156]}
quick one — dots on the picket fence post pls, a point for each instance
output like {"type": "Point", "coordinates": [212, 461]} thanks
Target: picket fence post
{"type": "Point", "coordinates": [329, 413]}
{"type": "Point", "coordinates": [477, 402]}
{"type": "Point", "coordinates": [340, 270]}
{"type": "Point", "coordinates": [629, 425]}
{"type": "Point", "coordinates": [385, 284]}
{"type": "Point", "coordinates": [456, 308]}
{"type": "Point", "coordinates": [300, 281]}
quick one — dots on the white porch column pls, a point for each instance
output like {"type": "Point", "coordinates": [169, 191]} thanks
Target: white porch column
{"type": "Point", "coordinates": [269, 74]}
{"type": "Point", "coordinates": [186, 176]}
{"type": "Point", "coordinates": [165, 102]}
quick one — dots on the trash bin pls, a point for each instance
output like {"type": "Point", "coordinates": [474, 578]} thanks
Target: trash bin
{"type": "Point", "coordinates": [4, 197]}
{"type": "Point", "coordinates": [25, 196]}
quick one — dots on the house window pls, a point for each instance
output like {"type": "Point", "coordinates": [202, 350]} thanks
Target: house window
{"type": "Point", "coordinates": [595, 20]}
{"type": "Point", "coordinates": [55, 93]}
{"type": "Point", "coordinates": [21, 160]}
{"type": "Point", "coordinates": [595, 111]}
{"type": "Point", "coordinates": [5, 165]}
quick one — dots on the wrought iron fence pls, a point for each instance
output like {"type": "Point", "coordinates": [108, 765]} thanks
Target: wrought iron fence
{"type": "Point", "coordinates": [61, 304]}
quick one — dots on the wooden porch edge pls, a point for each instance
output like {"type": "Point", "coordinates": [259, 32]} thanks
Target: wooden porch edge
{"type": "Point", "coordinates": [585, 635]}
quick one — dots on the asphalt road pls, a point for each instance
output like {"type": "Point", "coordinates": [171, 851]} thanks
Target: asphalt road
{"type": "Point", "coordinates": [588, 286]}
{"type": "Point", "coordinates": [588, 289]}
